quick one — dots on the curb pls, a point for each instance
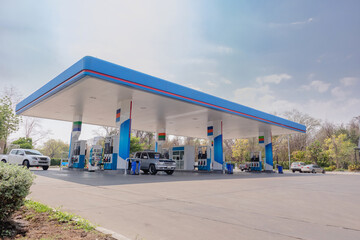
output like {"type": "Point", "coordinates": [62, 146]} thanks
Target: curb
{"type": "Point", "coordinates": [112, 233]}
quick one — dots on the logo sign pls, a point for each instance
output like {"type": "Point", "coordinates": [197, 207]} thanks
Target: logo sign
{"type": "Point", "coordinates": [210, 131]}
{"type": "Point", "coordinates": [261, 139]}
{"type": "Point", "coordinates": [161, 136]}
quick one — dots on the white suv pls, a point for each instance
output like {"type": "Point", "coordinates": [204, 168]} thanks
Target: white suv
{"type": "Point", "coordinates": [296, 166]}
{"type": "Point", "coordinates": [27, 158]}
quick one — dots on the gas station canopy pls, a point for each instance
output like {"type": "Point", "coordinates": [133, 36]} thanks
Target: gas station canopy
{"type": "Point", "coordinates": [93, 88]}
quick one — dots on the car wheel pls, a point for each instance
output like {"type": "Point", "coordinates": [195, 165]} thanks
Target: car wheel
{"type": "Point", "coordinates": [26, 164]}
{"type": "Point", "coordinates": [293, 171]}
{"type": "Point", "coordinates": [313, 171]}
{"type": "Point", "coordinates": [3, 160]}
{"type": "Point", "coordinates": [323, 171]}
{"type": "Point", "coordinates": [152, 169]}
{"type": "Point", "coordinates": [45, 167]}
{"type": "Point", "coordinates": [170, 172]}
{"type": "Point", "coordinates": [300, 171]}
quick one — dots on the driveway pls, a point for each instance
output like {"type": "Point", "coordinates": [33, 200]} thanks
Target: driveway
{"type": "Point", "coordinates": [208, 206]}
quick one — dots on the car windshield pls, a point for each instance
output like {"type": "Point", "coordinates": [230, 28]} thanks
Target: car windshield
{"type": "Point", "coordinates": [155, 155]}
{"type": "Point", "coordinates": [32, 152]}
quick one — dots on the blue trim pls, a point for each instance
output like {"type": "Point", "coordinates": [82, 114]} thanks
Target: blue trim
{"type": "Point", "coordinates": [124, 143]}
{"type": "Point", "coordinates": [218, 149]}
{"type": "Point", "coordinates": [269, 154]}
{"type": "Point", "coordinates": [97, 65]}
{"type": "Point", "coordinates": [76, 129]}
{"type": "Point", "coordinates": [156, 146]}
{"type": "Point", "coordinates": [178, 149]}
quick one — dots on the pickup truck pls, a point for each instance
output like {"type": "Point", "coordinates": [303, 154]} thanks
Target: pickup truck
{"type": "Point", "coordinates": [152, 162]}
{"type": "Point", "coordinates": [27, 158]}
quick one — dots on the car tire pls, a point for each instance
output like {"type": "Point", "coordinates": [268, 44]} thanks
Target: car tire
{"type": "Point", "coordinates": [323, 171]}
{"type": "Point", "coordinates": [26, 164]}
{"type": "Point", "coordinates": [300, 171]}
{"type": "Point", "coordinates": [3, 160]}
{"type": "Point", "coordinates": [293, 171]}
{"type": "Point", "coordinates": [152, 169]}
{"type": "Point", "coordinates": [45, 167]}
{"type": "Point", "coordinates": [313, 171]}
{"type": "Point", "coordinates": [170, 172]}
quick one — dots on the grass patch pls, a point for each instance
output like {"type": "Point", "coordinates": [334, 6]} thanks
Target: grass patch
{"type": "Point", "coordinates": [60, 216]}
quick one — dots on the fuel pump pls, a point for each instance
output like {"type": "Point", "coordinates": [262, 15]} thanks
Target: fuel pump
{"type": "Point", "coordinates": [111, 148]}
{"type": "Point", "coordinates": [204, 158]}
{"type": "Point", "coordinates": [255, 161]}
{"type": "Point", "coordinates": [78, 154]}
{"type": "Point", "coordinates": [95, 159]}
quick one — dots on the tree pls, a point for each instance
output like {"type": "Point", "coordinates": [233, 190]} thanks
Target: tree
{"type": "Point", "coordinates": [340, 149]}
{"type": "Point", "coordinates": [300, 141]}
{"type": "Point", "coordinates": [32, 129]}
{"type": "Point", "coordinates": [241, 149]}
{"type": "Point", "coordinates": [298, 156]}
{"type": "Point", "coordinates": [9, 121]}
{"type": "Point", "coordinates": [54, 148]}
{"type": "Point", "coordinates": [314, 151]}
{"type": "Point", "coordinates": [24, 142]}
{"type": "Point", "coordinates": [135, 144]}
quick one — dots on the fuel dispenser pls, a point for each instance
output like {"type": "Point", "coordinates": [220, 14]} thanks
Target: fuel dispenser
{"type": "Point", "coordinates": [111, 149]}
{"type": "Point", "coordinates": [95, 159]}
{"type": "Point", "coordinates": [255, 161]}
{"type": "Point", "coordinates": [78, 154]}
{"type": "Point", "coordinates": [204, 158]}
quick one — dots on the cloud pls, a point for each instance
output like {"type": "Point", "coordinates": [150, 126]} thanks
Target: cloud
{"type": "Point", "coordinates": [275, 78]}
{"type": "Point", "coordinates": [211, 83]}
{"type": "Point", "coordinates": [339, 93]}
{"type": "Point", "coordinates": [317, 85]}
{"type": "Point", "coordinates": [223, 49]}
{"type": "Point", "coordinates": [225, 80]}
{"type": "Point", "coordinates": [309, 20]}
{"type": "Point", "coordinates": [349, 81]}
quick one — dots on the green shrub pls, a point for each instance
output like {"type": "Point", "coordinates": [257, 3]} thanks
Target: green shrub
{"type": "Point", "coordinates": [330, 168]}
{"type": "Point", "coordinates": [55, 162]}
{"type": "Point", "coordinates": [15, 183]}
{"type": "Point", "coordinates": [354, 167]}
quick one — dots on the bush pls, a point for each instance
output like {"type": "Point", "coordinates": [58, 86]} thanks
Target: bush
{"type": "Point", "coordinates": [354, 167]}
{"type": "Point", "coordinates": [15, 183]}
{"type": "Point", "coordinates": [55, 162]}
{"type": "Point", "coordinates": [330, 168]}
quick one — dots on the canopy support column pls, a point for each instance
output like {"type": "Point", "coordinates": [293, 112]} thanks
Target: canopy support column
{"type": "Point", "coordinates": [123, 122]}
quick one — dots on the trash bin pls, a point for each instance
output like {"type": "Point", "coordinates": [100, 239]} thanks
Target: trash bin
{"type": "Point", "coordinates": [280, 169]}
{"type": "Point", "coordinates": [230, 168]}
{"type": "Point", "coordinates": [135, 167]}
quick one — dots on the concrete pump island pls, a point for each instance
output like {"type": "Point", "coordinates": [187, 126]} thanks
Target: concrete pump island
{"type": "Point", "coordinates": [93, 91]}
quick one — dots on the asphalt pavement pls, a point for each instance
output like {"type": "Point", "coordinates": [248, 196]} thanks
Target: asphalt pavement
{"type": "Point", "coordinates": [208, 206]}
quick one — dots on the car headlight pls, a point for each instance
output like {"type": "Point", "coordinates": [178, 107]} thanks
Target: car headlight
{"type": "Point", "coordinates": [161, 163]}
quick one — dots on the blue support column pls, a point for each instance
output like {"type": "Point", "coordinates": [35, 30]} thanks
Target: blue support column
{"type": "Point", "coordinates": [269, 165]}
{"type": "Point", "coordinates": [124, 124]}
{"type": "Point", "coordinates": [215, 137]}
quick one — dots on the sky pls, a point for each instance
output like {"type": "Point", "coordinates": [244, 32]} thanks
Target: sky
{"type": "Point", "coordinates": [270, 55]}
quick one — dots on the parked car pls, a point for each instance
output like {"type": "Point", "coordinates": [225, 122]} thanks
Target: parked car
{"type": "Point", "coordinates": [27, 158]}
{"type": "Point", "coordinates": [313, 168]}
{"type": "Point", "coordinates": [296, 166]}
{"type": "Point", "coordinates": [152, 162]}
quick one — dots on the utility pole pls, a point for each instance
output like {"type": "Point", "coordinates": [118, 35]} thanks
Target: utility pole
{"type": "Point", "coordinates": [289, 149]}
